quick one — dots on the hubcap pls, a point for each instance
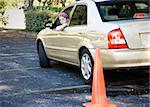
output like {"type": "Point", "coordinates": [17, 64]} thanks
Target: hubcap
{"type": "Point", "coordinates": [86, 66]}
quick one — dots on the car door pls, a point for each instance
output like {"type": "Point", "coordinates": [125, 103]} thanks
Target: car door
{"type": "Point", "coordinates": [52, 38]}
{"type": "Point", "coordinates": [73, 35]}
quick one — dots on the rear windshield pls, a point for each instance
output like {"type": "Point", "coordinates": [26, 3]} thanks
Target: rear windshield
{"type": "Point", "coordinates": [123, 10]}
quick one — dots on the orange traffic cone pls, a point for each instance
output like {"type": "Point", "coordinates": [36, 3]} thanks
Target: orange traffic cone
{"type": "Point", "coordinates": [99, 98]}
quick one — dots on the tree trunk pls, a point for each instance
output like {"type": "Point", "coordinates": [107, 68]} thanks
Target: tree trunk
{"type": "Point", "coordinates": [63, 2]}
{"type": "Point", "coordinates": [30, 6]}
{"type": "Point", "coordinates": [44, 3]}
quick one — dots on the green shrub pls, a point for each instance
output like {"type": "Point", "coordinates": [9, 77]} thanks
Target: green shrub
{"type": "Point", "coordinates": [35, 21]}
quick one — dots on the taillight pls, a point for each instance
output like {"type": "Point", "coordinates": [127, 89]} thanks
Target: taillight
{"type": "Point", "coordinates": [139, 15]}
{"type": "Point", "coordinates": [116, 39]}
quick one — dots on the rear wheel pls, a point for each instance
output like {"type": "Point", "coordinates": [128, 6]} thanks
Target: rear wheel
{"type": "Point", "coordinates": [86, 66]}
{"type": "Point", "coordinates": [43, 59]}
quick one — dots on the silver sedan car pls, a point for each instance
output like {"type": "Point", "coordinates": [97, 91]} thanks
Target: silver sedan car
{"type": "Point", "coordinates": [120, 28]}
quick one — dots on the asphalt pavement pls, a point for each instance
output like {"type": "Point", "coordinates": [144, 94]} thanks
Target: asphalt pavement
{"type": "Point", "coordinates": [23, 83]}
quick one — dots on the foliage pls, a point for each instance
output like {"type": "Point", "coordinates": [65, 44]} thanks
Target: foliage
{"type": "Point", "coordinates": [3, 19]}
{"type": "Point", "coordinates": [30, 4]}
{"type": "Point", "coordinates": [14, 3]}
{"type": "Point", "coordinates": [50, 8]}
{"type": "Point", "coordinates": [35, 21]}
{"type": "Point", "coordinates": [7, 4]}
{"type": "Point", "coordinates": [3, 4]}
{"type": "Point", "coordinates": [49, 2]}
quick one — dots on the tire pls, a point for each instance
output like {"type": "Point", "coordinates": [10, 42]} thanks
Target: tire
{"type": "Point", "coordinates": [43, 59]}
{"type": "Point", "coordinates": [86, 66]}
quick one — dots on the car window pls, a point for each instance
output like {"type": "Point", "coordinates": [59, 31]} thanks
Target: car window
{"type": "Point", "coordinates": [79, 16]}
{"type": "Point", "coordinates": [68, 11]}
{"type": "Point", "coordinates": [123, 10]}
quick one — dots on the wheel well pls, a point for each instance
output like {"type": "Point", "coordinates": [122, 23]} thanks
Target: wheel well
{"type": "Point", "coordinates": [81, 49]}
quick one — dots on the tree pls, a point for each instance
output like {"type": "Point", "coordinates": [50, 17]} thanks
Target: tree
{"type": "Point", "coordinates": [3, 4]}
{"type": "Point", "coordinates": [14, 3]}
{"type": "Point", "coordinates": [39, 1]}
{"type": "Point", "coordinates": [43, 1]}
{"type": "Point", "coordinates": [63, 2]}
{"type": "Point", "coordinates": [30, 4]}
{"type": "Point", "coordinates": [7, 4]}
{"type": "Point", "coordinates": [49, 2]}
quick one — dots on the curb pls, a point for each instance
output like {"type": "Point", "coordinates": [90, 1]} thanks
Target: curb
{"type": "Point", "coordinates": [18, 32]}
{"type": "Point", "coordinates": [81, 89]}
{"type": "Point", "coordinates": [3, 31]}
{"type": "Point", "coordinates": [28, 34]}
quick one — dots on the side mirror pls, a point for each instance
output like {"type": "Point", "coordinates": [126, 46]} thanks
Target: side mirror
{"type": "Point", "coordinates": [49, 24]}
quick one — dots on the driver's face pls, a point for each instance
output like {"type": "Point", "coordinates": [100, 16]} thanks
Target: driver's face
{"type": "Point", "coordinates": [62, 20]}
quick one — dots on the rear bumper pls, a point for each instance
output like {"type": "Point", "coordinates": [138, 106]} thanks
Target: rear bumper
{"type": "Point", "coordinates": [122, 58]}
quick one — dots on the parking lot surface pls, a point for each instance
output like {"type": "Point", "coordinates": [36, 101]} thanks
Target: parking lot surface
{"type": "Point", "coordinates": [23, 83]}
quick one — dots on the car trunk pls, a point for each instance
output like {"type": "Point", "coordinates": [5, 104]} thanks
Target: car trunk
{"type": "Point", "coordinates": [136, 33]}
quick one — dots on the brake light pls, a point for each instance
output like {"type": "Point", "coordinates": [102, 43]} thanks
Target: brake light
{"type": "Point", "coordinates": [138, 15]}
{"type": "Point", "coordinates": [116, 39]}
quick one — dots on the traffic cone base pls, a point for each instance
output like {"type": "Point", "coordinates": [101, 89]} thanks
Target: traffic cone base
{"type": "Point", "coordinates": [106, 104]}
{"type": "Point", "coordinates": [99, 98]}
